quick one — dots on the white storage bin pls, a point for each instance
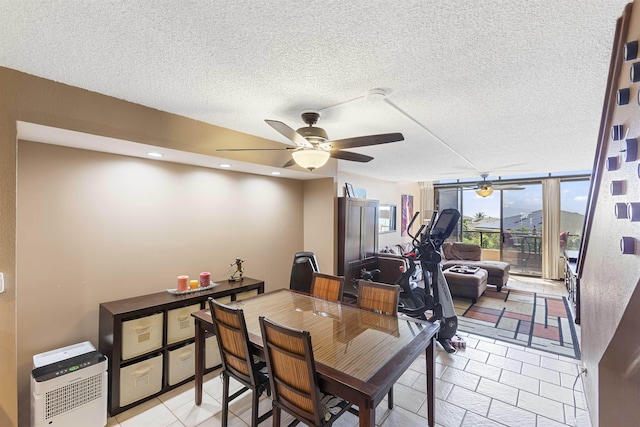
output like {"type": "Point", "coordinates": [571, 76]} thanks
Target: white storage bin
{"type": "Point", "coordinates": [182, 363]}
{"type": "Point", "coordinates": [180, 324]}
{"type": "Point", "coordinates": [140, 336]}
{"type": "Point", "coordinates": [140, 380]}
{"type": "Point", "coordinates": [212, 352]}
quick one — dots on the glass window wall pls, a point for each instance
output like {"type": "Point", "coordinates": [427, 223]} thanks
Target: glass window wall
{"type": "Point", "coordinates": [508, 223]}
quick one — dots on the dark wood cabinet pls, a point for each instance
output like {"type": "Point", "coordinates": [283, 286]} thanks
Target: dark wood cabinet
{"type": "Point", "coordinates": [149, 340]}
{"type": "Point", "coordinates": [357, 236]}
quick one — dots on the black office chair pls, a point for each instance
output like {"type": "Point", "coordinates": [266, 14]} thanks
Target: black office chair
{"type": "Point", "coordinates": [304, 265]}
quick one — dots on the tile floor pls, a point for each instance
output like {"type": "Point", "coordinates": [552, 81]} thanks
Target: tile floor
{"type": "Point", "coordinates": [490, 383]}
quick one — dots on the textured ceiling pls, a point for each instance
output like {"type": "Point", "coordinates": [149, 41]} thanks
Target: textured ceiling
{"type": "Point", "coordinates": [488, 86]}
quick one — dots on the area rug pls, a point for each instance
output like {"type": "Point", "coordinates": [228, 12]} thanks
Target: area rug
{"type": "Point", "coordinates": [541, 322]}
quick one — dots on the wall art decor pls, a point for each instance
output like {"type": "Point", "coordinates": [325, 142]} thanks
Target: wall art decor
{"type": "Point", "coordinates": [360, 193]}
{"type": "Point", "coordinates": [407, 212]}
{"type": "Point", "coordinates": [348, 188]}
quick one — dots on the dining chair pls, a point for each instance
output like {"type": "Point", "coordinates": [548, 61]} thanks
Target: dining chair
{"type": "Point", "coordinates": [294, 379]}
{"type": "Point", "coordinates": [237, 360]}
{"type": "Point", "coordinates": [378, 297]}
{"type": "Point", "coordinates": [327, 287]}
{"type": "Point", "coordinates": [383, 299]}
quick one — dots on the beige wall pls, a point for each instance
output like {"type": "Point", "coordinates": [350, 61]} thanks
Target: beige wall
{"type": "Point", "coordinates": [8, 385]}
{"type": "Point", "coordinates": [386, 193]}
{"type": "Point", "coordinates": [319, 217]}
{"type": "Point", "coordinates": [95, 227]}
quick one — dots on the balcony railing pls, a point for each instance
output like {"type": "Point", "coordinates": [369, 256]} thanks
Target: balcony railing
{"type": "Point", "coordinates": [486, 239]}
{"type": "Point", "coordinates": [492, 239]}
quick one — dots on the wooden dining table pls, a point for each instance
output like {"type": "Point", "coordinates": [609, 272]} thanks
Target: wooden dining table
{"type": "Point", "coordinates": [359, 354]}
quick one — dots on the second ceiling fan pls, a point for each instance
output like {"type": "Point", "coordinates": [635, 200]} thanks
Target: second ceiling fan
{"type": "Point", "coordinates": [313, 147]}
{"type": "Point", "coordinates": [484, 188]}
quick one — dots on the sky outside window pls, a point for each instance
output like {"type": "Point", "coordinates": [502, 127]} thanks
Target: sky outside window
{"type": "Point", "coordinates": [573, 199]}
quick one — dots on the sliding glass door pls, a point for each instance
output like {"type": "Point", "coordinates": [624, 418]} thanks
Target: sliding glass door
{"type": "Point", "coordinates": [507, 224]}
{"type": "Point", "coordinates": [481, 222]}
{"type": "Point", "coordinates": [522, 229]}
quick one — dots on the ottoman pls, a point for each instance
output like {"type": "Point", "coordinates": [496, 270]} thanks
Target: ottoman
{"type": "Point", "coordinates": [467, 282]}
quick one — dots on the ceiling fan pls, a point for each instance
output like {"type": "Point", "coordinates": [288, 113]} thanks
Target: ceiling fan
{"type": "Point", "coordinates": [313, 147]}
{"type": "Point", "coordinates": [484, 188]}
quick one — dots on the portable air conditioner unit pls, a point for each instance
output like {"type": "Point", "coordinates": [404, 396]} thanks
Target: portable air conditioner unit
{"type": "Point", "coordinates": [69, 387]}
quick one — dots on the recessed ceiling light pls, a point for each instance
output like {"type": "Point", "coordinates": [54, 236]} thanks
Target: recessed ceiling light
{"type": "Point", "coordinates": [154, 154]}
{"type": "Point", "coordinates": [224, 165]}
{"type": "Point", "coordinates": [275, 173]}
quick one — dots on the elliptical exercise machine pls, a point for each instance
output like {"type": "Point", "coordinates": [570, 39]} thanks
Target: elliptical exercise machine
{"type": "Point", "coordinates": [436, 296]}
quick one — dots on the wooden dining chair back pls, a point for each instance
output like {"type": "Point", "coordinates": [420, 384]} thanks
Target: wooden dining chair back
{"type": "Point", "coordinates": [237, 360]}
{"type": "Point", "coordinates": [378, 297]}
{"type": "Point", "coordinates": [293, 377]}
{"type": "Point", "coordinates": [327, 287]}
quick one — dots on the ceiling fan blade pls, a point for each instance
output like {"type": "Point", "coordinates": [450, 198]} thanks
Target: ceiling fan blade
{"type": "Point", "coordinates": [287, 132]}
{"type": "Point", "coordinates": [477, 185]}
{"type": "Point", "coordinates": [348, 155]}
{"type": "Point", "coordinates": [256, 149]}
{"type": "Point", "coordinates": [507, 187]}
{"type": "Point", "coordinates": [363, 141]}
{"type": "Point", "coordinates": [495, 187]}
{"type": "Point", "coordinates": [290, 163]}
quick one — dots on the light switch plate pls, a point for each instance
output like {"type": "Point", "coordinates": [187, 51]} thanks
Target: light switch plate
{"type": "Point", "coordinates": [1, 283]}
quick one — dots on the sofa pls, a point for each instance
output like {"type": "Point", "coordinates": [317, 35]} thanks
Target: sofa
{"type": "Point", "coordinates": [397, 249]}
{"type": "Point", "coordinates": [459, 253]}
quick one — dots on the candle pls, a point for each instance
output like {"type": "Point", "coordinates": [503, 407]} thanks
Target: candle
{"type": "Point", "coordinates": [193, 284]}
{"type": "Point", "coordinates": [183, 283]}
{"type": "Point", "coordinates": [205, 279]}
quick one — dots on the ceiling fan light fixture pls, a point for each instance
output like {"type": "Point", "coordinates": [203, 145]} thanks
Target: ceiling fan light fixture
{"type": "Point", "coordinates": [310, 158]}
{"type": "Point", "coordinates": [484, 191]}
{"type": "Point", "coordinates": [314, 147]}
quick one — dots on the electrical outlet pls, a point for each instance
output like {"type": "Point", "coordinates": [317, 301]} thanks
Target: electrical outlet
{"type": "Point", "coordinates": [582, 369]}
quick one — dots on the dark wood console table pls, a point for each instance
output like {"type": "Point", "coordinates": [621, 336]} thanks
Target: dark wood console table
{"type": "Point", "coordinates": [146, 310]}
